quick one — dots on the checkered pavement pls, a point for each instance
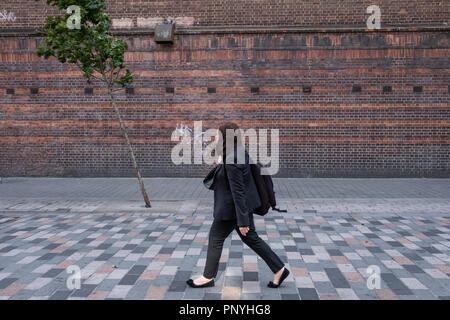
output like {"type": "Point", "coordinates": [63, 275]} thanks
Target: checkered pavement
{"type": "Point", "coordinates": [142, 256]}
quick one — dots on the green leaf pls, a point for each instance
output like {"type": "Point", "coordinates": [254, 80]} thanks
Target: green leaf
{"type": "Point", "coordinates": [92, 47]}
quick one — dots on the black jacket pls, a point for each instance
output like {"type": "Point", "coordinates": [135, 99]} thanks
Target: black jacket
{"type": "Point", "coordinates": [235, 193]}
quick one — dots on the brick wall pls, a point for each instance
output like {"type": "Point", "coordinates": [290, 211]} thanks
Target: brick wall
{"type": "Point", "coordinates": [349, 125]}
{"type": "Point", "coordinates": [31, 14]}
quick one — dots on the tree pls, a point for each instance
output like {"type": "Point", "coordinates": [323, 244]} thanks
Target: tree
{"type": "Point", "coordinates": [82, 37]}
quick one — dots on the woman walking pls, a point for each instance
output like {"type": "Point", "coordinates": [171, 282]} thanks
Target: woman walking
{"type": "Point", "coordinates": [235, 198]}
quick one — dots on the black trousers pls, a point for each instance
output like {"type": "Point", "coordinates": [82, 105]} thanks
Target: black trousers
{"type": "Point", "coordinates": [220, 230]}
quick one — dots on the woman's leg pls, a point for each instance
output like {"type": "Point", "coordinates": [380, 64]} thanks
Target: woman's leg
{"type": "Point", "coordinates": [219, 231]}
{"type": "Point", "coordinates": [261, 248]}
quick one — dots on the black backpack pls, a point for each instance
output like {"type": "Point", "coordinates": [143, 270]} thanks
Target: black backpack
{"type": "Point", "coordinates": [264, 185]}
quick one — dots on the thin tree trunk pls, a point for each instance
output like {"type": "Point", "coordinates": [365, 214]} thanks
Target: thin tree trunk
{"type": "Point", "coordinates": [130, 149]}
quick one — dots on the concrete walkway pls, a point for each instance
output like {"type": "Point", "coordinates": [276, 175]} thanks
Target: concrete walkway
{"type": "Point", "coordinates": [189, 196]}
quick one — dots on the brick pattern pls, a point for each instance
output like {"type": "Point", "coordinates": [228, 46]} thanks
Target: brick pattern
{"type": "Point", "coordinates": [325, 130]}
{"type": "Point", "coordinates": [248, 12]}
{"type": "Point", "coordinates": [133, 256]}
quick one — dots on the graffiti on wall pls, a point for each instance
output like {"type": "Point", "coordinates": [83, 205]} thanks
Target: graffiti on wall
{"type": "Point", "coordinates": [7, 16]}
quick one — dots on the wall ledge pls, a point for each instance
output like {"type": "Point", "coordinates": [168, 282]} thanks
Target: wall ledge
{"type": "Point", "coordinates": [238, 29]}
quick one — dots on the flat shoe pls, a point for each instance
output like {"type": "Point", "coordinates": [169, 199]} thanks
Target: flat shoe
{"type": "Point", "coordinates": [191, 283]}
{"type": "Point", "coordinates": [283, 276]}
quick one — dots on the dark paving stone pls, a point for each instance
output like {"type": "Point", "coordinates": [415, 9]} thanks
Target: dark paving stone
{"type": "Point", "coordinates": [104, 246]}
{"type": "Point", "coordinates": [52, 246]}
{"type": "Point", "coordinates": [182, 275]}
{"type": "Point", "coordinates": [38, 240]}
{"type": "Point", "coordinates": [129, 279]}
{"type": "Point", "coordinates": [84, 291]}
{"type": "Point", "coordinates": [289, 296]}
{"type": "Point", "coordinates": [251, 276]}
{"type": "Point", "coordinates": [337, 278]}
{"type": "Point", "coordinates": [86, 240]}
{"type": "Point", "coordinates": [306, 252]}
{"type": "Point", "coordinates": [166, 250]}
{"type": "Point", "coordinates": [334, 252]}
{"type": "Point", "coordinates": [137, 270]}
{"type": "Point", "coordinates": [139, 250]}
{"type": "Point", "coordinates": [52, 273]}
{"type": "Point", "coordinates": [60, 295]}
{"type": "Point", "coordinates": [413, 268]}
{"type": "Point", "coordinates": [48, 256]}
{"type": "Point", "coordinates": [177, 286]}
{"type": "Point", "coordinates": [104, 257]}
{"type": "Point", "coordinates": [129, 246]}
{"type": "Point", "coordinates": [7, 249]}
{"type": "Point", "coordinates": [6, 282]}
{"type": "Point", "coordinates": [394, 244]}
{"type": "Point", "coordinates": [431, 249]}
{"type": "Point", "coordinates": [222, 266]}
{"type": "Point", "coordinates": [68, 252]}
{"type": "Point", "coordinates": [308, 294]}
{"type": "Point", "coordinates": [290, 248]}
{"type": "Point", "coordinates": [395, 284]}
{"type": "Point", "coordinates": [235, 255]}
{"type": "Point", "coordinates": [346, 225]}
{"type": "Point", "coordinates": [374, 249]}
{"type": "Point", "coordinates": [413, 256]}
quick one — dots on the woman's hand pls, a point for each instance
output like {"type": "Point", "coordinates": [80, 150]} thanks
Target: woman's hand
{"type": "Point", "coordinates": [244, 230]}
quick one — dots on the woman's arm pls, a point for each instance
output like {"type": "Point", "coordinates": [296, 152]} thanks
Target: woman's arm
{"type": "Point", "coordinates": [236, 179]}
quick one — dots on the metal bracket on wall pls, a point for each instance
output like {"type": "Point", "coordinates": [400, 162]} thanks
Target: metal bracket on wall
{"type": "Point", "coordinates": [164, 33]}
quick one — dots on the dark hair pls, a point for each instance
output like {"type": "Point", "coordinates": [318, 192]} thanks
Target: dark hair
{"type": "Point", "coordinates": [223, 130]}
